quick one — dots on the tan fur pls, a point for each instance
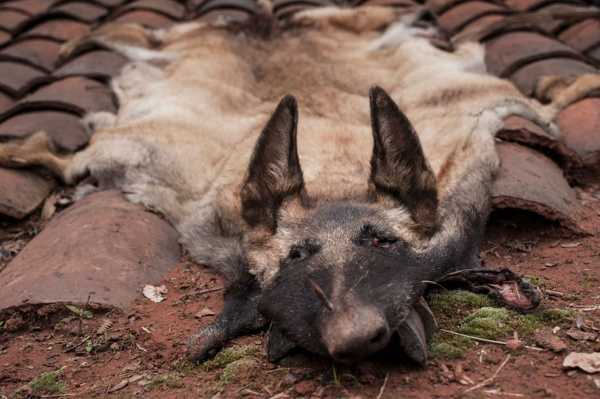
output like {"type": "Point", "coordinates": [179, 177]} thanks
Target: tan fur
{"type": "Point", "coordinates": [183, 136]}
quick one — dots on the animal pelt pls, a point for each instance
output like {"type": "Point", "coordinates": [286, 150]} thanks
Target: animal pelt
{"type": "Point", "coordinates": [315, 200]}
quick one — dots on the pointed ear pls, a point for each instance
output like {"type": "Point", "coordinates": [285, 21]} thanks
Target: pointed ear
{"type": "Point", "coordinates": [398, 165]}
{"type": "Point", "coordinates": [274, 172]}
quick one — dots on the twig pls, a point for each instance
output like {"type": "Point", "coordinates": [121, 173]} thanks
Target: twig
{"type": "Point", "coordinates": [281, 395]}
{"type": "Point", "coordinates": [555, 293]}
{"type": "Point", "coordinates": [584, 309]}
{"type": "Point", "coordinates": [383, 386]}
{"type": "Point", "coordinates": [58, 395]}
{"type": "Point", "coordinates": [491, 341]}
{"type": "Point", "coordinates": [488, 380]}
{"type": "Point", "coordinates": [83, 341]}
{"type": "Point", "coordinates": [200, 292]}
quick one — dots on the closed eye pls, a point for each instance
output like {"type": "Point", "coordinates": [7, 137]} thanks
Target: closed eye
{"type": "Point", "coordinates": [375, 237]}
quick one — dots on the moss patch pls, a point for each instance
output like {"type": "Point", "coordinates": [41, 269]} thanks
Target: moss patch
{"type": "Point", "coordinates": [166, 380]}
{"type": "Point", "coordinates": [49, 382]}
{"type": "Point", "coordinates": [230, 355]}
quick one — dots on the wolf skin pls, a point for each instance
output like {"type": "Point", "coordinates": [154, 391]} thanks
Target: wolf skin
{"type": "Point", "coordinates": [329, 215]}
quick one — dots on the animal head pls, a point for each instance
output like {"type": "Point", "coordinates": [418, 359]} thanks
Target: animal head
{"type": "Point", "coordinates": [339, 276]}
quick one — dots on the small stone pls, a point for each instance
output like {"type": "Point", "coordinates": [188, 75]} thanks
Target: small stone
{"type": "Point", "coordinates": [305, 387]}
{"type": "Point", "coordinates": [546, 338]}
{"type": "Point", "coordinates": [514, 345]}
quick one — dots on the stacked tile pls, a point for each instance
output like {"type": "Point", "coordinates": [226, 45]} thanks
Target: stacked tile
{"type": "Point", "coordinates": [524, 41]}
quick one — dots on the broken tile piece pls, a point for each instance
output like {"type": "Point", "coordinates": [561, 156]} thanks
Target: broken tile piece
{"type": "Point", "coordinates": [530, 181]}
{"type": "Point", "coordinates": [21, 191]}
{"type": "Point", "coordinates": [102, 244]}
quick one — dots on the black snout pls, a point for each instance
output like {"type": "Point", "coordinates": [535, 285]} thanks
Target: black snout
{"type": "Point", "coordinates": [354, 332]}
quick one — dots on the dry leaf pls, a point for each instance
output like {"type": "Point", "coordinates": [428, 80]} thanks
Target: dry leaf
{"type": "Point", "coordinates": [582, 335]}
{"type": "Point", "coordinates": [153, 293]}
{"type": "Point", "coordinates": [205, 312]}
{"type": "Point", "coordinates": [120, 385]}
{"type": "Point", "coordinates": [104, 326]}
{"type": "Point", "coordinates": [588, 362]}
{"type": "Point", "coordinates": [580, 322]}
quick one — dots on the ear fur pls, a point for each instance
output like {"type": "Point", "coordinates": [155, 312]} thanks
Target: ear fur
{"type": "Point", "coordinates": [274, 173]}
{"type": "Point", "coordinates": [398, 165]}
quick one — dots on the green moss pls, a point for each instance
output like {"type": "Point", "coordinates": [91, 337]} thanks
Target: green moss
{"type": "Point", "coordinates": [488, 323]}
{"type": "Point", "coordinates": [239, 366]}
{"type": "Point", "coordinates": [166, 380]}
{"type": "Point", "coordinates": [49, 382]}
{"type": "Point", "coordinates": [444, 345]}
{"type": "Point", "coordinates": [457, 302]}
{"type": "Point", "coordinates": [185, 367]}
{"type": "Point", "coordinates": [230, 355]}
{"type": "Point", "coordinates": [295, 360]}
{"type": "Point", "coordinates": [535, 281]}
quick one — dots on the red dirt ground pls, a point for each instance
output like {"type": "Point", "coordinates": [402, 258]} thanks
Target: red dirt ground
{"type": "Point", "coordinates": [149, 338]}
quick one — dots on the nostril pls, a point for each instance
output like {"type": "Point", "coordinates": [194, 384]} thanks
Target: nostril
{"type": "Point", "coordinates": [379, 338]}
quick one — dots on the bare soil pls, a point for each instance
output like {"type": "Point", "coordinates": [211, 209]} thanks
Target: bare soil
{"type": "Point", "coordinates": [145, 345]}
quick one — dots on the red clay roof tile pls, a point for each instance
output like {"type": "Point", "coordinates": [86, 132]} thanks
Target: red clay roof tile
{"type": "Point", "coordinates": [594, 53]}
{"type": "Point", "coordinates": [111, 3]}
{"type": "Point", "coordinates": [439, 6]}
{"type": "Point", "coordinates": [528, 5]}
{"type": "Point", "coordinates": [582, 36]}
{"type": "Point", "coordinates": [41, 53]}
{"type": "Point", "coordinates": [287, 10]}
{"type": "Point", "coordinates": [224, 15]}
{"type": "Point", "coordinates": [11, 19]}
{"type": "Point", "coordinates": [76, 94]}
{"type": "Point", "coordinates": [483, 21]}
{"type": "Point", "coordinates": [85, 12]}
{"type": "Point", "coordinates": [510, 51]}
{"type": "Point", "coordinates": [16, 76]}
{"type": "Point", "coordinates": [530, 181]}
{"type": "Point", "coordinates": [247, 5]}
{"type": "Point", "coordinates": [58, 29]}
{"type": "Point", "coordinates": [65, 129]}
{"type": "Point", "coordinates": [580, 126]}
{"type": "Point", "coordinates": [455, 18]}
{"type": "Point", "coordinates": [31, 7]}
{"type": "Point", "coordinates": [21, 191]}
{"type": "Point", "coordinates": [523, 131]}
{"type": "Point", "coordinates": [149, 19]}
{"type": "Point", "coordinates": [5, 37]}
{"type": "Point", "coordinates": [525, 78]}
{"type": "Point", "coordinates": [97, 64]}
{"type": "Point", "coordinates": [102, 244]}
{"type": "Point", "coordinates": [5, 101]}
{"type": "Point", "coordinates": [169, 8]}
{"type": "Point", "coordinates": [395, 3]}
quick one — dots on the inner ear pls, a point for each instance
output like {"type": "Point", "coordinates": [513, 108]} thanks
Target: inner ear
{"type": "Point", "coordinates": [274, 173]}
{"type": "Point", "coordinates": [398, 166]}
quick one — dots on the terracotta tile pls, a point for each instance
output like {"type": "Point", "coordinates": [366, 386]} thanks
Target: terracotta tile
{"type": "Point", "coordinates": [102, 244]}
{"type": "Point", "coordinates": [59, 29]}
{"type": "Point", "coordinates": [41, 53]}
{"type": "Point", "coordinates": [169, 8]}
{"type": "Point", "coordinates": [526, 77]}
{"type": "Point", "coordinates": [582, 36]}
{"type": "Point", "coordinates": [111, 3]}
{"type": "Point", "coordinates": [395, 3]}
{"type": "Point", "coordinates": [5, 37]}
{"type": "Point", "coordinates": [530, 181]}
{"type": "Point", "coordinates": [580, 126]}
{"type": "Point", "coordinates": [85, 12]}
{"type": "Point", "coordinates": [31, 7]}
{"type": "Point", "coordinates": [506, 53]}
{"type": "Point", "coordinates": [528, 5]}
{"type": "Point", "coordinates": [247, 5]}
{"type": "Point", "coordinates": [594, 53]}
{"type": "Point", "coordinates": [11, 19]}
{"type": "Point", "coordinates": [553, 26]}
{"type": "Point", "coordinates": [224, 15]}
{"type": "Point", "coordinates": [21, 191]}
{"type": "Point", "coordinates": [482, 21]}
{"type": "Point", "coordinates": [523, 131]}
{"type": "Point", "coordinates": [76, 94]}
{"type": "Point", "coordinates": [286, 10]}
{"type": "Point", "coordinates": [455, 18]}
{"type": "Point", "coordinates": [440, 6]}
{"type": "Point", "coordinates": [65, 129]}
{"type": "Point", "coordinates": [16, 76]}
{"type": "Point", "coordinates": [5, 101]}
{"type": "Point", "coordinates": [98, 64]}
{"type": "Point", "coordinates": [147, 18]}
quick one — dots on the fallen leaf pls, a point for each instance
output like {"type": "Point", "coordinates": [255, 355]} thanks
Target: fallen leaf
{"type": "Point", "coordinates": [580, 322]}
{"type": "Point", "coordinates": [205, 312]}
{"type": "Point", "coordinates": [582, 335]}
{"type": "Point", "coordinates": [104, 326]}
{"type": "Point", "coordinates": [588, 362]}
{"type": "Point", "coordinates": [154, 293]}
{"type": "Point", "coordinates": [120, 385]}
{"type": "Point", "coordinates": [546, 338]}
{"type": "Point", "coordinates": [135, 378]}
